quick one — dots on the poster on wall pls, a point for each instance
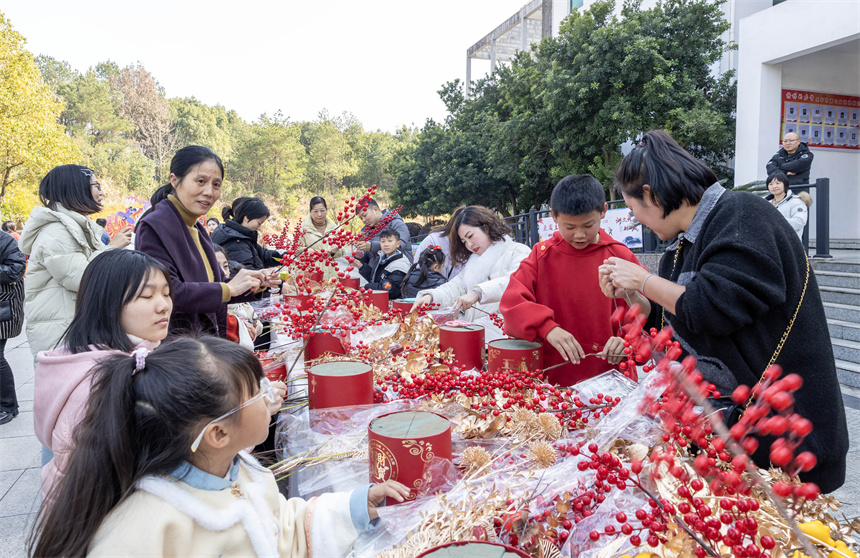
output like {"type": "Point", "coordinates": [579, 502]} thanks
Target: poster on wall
{"type": "Point", "coordinates": [618, 223]}
{"type": "Point", "coordinates": [835, 119]}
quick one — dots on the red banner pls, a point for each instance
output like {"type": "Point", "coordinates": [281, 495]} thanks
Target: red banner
{"type": "Point", "coordinates": [822, 120]}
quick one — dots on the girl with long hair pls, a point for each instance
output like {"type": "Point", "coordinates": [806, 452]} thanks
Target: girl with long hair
{"type": "Point", "coordinates": [426, 273]}
{"type": "Point", "coordinates": [480, 241]}
{"type": "Point", "coordinates": [159, 468]}
{"type": "Point", "coordinates": [125, 302]}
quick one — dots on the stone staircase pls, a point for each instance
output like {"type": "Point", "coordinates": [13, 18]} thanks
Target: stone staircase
{"type": "Point", "coordinates": [839, 283]}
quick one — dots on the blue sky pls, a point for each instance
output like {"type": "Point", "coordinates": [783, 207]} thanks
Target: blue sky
{"type": "Point", "coordinates": [381, 60]}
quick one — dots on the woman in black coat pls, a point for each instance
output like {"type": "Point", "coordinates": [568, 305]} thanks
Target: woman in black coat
{"type": "Point", "coordinates": [12, 267]}
{"type": "Point", "coordinates": [736, 287]}
{"type": "Point", "coordinates": [238, 234]}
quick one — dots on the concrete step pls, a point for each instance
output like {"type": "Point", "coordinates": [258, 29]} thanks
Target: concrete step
{"type": "Point", "coordinates": [844, 312]}
{"type": "Point", "coordinates": [837, 279]}
{"type": "Point", "coordinates": [840, 295]}
{"type": "Point", "coordinates": [848, 351]}
{"type": "Point", "coordinates": [840, 329]}
{"type": "Point", "coordinates": [848, 373]}
{"type": "Point", "coordinates": [827, 265]}
{"type": "Point", "coordinates": [840, 243]}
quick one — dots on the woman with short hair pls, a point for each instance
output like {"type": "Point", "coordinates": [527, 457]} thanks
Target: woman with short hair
{"type": "Point", "coordinates": [736, 288]}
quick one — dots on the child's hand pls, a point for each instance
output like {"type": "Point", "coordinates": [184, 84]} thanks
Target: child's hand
{"type": "Point", "coordinates": [279, 389]}
{"type": "Point", "coordinates": [566, 344]}
{"type": "Point", "coordinates": [252, 330]}
{"type": "Point", "coordinates": [378, 492]}
{"type": "Point", "coordinates": [613, 351]}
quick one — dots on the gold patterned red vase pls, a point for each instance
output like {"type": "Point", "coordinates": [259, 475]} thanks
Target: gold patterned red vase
{"type": "Point", "coordinates": [403, 444]}
{"type": "Point", "coordinates": [467, 342]}
{"type": "Point", "coordinates": [513, 354]}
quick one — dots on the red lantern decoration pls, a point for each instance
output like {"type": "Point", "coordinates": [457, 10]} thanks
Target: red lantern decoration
{"type": "Point", "coordinates": [467, 343]}
{"type": "Point", "coordinates": [402, 444]}
{"type": "Point", "coordinates": [339, 384]}
{"type": "Point", "coordinates": [511, 354]}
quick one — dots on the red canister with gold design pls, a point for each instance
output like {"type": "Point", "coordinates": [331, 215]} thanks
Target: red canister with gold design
{"type": "Point", "coordinates": [315, 276]}
{"type": "Point", "coordinates": [378, 299]}
{"type": "Point", "coordinates": [320, 343]}
{"type": "Point", "coordinates": [302, 303]}
{"type": "Point", "coordinates": [339, 384]}
{"type": "Point", "coordinates": [473, 549]}
{"type": "Point", "coordinates": [511, 354]}
{"type": "Point", "coordinates": [467, 341]}
{"type": "Point", "coordinates": [274, 371]}
{"type": "Point", "coordinates": [403, 444]}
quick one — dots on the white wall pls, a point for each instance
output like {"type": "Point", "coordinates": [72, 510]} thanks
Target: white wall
{"type": "Point", "coordinates": [786, 46]}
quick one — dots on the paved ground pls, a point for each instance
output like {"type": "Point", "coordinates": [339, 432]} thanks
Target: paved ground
{"type": "Point", "coordinates": [20, 458]}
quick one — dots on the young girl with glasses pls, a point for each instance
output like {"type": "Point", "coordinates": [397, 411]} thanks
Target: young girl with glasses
{"type": "Point", "coordinates": [159, 468]}
{"type": "Point", "coordinates": [124, 302]}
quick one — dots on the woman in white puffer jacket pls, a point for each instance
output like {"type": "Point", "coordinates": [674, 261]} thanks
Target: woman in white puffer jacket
{"type": "Point", "coordinates": [480, 242]}
{"type": "Point", "coordinates": [61, 241]}
{"type": "Point", "coordinates": [794, 207]}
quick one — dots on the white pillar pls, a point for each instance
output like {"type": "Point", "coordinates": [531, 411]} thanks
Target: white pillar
{"type": "Point", "coordinates": [493, 55]}
{"type": "Point", "coordinates": [524, 39]}
{"type": "Point", "coordinates": [468, 84]}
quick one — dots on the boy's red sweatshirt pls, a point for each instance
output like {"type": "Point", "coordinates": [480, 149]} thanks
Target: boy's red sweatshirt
{"type": "Point", "coordinates": [557, 285]}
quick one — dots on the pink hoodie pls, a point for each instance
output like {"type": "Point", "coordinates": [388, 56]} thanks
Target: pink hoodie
{"type": "Point", "coordinates": [62, 388]}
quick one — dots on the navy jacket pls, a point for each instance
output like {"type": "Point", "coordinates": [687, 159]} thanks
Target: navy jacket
{"type": "Point", "coordinates": [241, 246]}
{"type": "Point", "coordinates": [371, 257]}
{"type": "Point", "coordinates": [798, 162]}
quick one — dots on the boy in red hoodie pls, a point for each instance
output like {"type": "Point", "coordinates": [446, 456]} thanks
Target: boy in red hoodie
{"type": "Point", "coordinates": [555, 294]}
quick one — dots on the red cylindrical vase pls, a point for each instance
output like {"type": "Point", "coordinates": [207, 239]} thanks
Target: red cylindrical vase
{"type": "Point", "coordinates": [470, 549]}
{"type": "Point", "coordinates": [301, 302]}
{"type": "Point", "coordinates": [275, 372]}
{"type": "Point", "coordinates": [402, 444]}
{"type": "Point", "coordinates": [338, 384]}
{"type": "Point", "coordinates": [467, 342]}
{"type": "Point", "coordinates": [378, 299]}
{"type": "Point", "coordinates": [350, 282]}
{"type": "Point", "coordinates": [511, 354]}
{"type": "Point", "coordinates": [402, 306]}
{"type": "Point", "coordinates": [320, 343]}
{"type": "Point", "coordinates": [315, 276]}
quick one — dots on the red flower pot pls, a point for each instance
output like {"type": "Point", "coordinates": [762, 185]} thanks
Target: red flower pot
{"type": "Point", "coordinates": [350, 282]}
{"type": "Point", "coordinates": [378, 299]}
{"type": "Point", "coordinates": [274, 372]}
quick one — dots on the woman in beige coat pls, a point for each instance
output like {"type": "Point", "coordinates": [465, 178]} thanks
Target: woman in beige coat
{"type": "Point", "coordinates": [316, 225]}
{"type": "Point", "coordinates": [61, 241]}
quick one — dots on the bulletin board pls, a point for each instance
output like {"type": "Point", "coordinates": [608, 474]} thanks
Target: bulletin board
{"type": "Point", "coordinates": [822, 120]}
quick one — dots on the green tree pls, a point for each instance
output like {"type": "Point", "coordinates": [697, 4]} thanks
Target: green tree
{"type": "Point", "coordinates": [196, 123]}
{"type": "Point", "coordinates": [31, 140]}
{"type": "Point", "coordinates": [267, 157]}
{"type": "Point", "coordinates": [330, 156]}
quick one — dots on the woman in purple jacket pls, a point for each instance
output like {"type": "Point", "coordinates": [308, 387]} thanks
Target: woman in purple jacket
{"type": "Point", "coordinates": [172, 233]}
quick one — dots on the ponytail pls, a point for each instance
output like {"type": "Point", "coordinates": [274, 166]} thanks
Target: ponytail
{"type": "Point", "coordinates": [245, 208]}
{"type": "Point", "coordinates": [431, 256]}
{"type": "Point", "coordinates": [143, 415]}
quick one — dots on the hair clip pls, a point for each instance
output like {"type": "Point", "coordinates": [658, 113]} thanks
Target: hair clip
{"type": "Point", "coordinates": [438, 247]}
{"type": "Point", "coordinates": [139, 355]}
